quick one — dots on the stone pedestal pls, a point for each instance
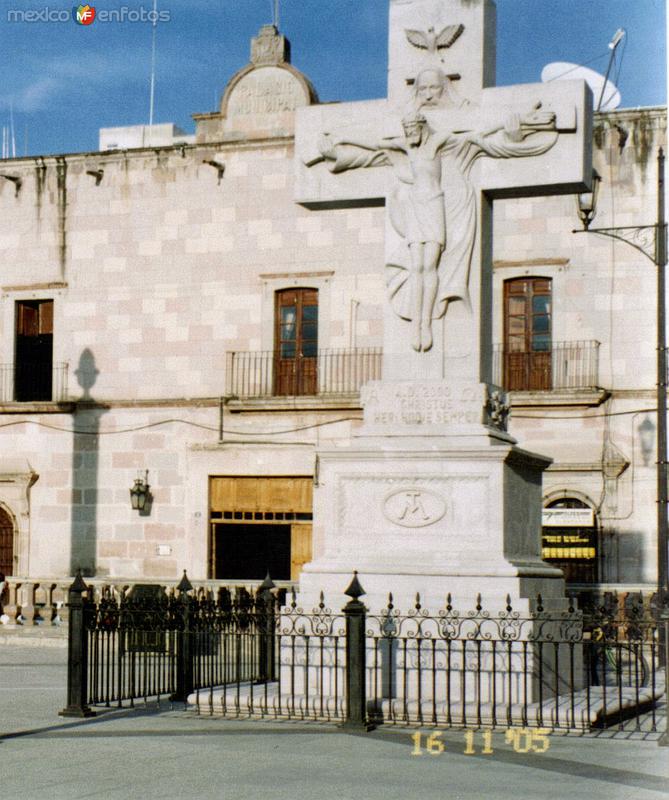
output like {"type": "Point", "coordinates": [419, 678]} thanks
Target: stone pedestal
{"type": "Point", "coordinates": [434, 504]}
{"type": "Point", "coordinates": [433, 497]}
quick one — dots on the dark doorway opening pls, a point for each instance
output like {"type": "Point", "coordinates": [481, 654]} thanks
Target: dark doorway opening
{"type": "Point", "coordinates": [249, 552]}
{"type": "Point", "coordinates": [6, 544]}
{"type": "Point", "coordinates": [34, 351]}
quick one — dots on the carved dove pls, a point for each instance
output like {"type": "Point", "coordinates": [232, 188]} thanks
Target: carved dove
{"type": "Point", "coordinates": [433, 42]}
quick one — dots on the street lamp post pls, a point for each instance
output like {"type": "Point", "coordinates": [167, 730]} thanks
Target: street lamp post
{"type": "Point", "coordinates": [651, 240]}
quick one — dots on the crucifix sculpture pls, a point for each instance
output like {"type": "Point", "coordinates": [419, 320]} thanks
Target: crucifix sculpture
{"type": "Point", "coordinates": [431, 491]}
{"type": "Point", "coordinates": [426, 144]}
{"type": "Point", "coordinates": [434, 267]}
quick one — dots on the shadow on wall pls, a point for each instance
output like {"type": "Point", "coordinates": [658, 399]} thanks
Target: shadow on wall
{"type": "Point", "coordinates": [624, 557]}
{"type": "Point", "coordinates": [85, 465]}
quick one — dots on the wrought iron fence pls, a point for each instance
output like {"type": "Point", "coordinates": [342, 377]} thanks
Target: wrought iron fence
{"type": "Point", "coordinates": [308, 676]}
{"type": "Point", "coordinates": [529, 668]}
{"type": "Point", "coordinates": [565, 365]}
{"type": "Point", "coordinates": [33, 382]}
{"type": "Point", "coordinates": [332, 372]}
{"type": "Point", "coordinates": [147, 642]}
{"type": "Point", "coordinates": [242, 655]}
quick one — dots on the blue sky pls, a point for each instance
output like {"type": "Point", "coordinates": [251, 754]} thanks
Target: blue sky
{"type": "Point", "coordinates": [66, 81]}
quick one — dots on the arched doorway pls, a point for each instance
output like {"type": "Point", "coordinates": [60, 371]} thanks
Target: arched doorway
{"type": "Point", "coordinates": [6, 543]}
{"type": "Point", "coordinates": [569, 539]}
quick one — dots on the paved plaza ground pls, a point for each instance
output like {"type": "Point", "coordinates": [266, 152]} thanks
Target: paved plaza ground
{"type": "Point", "coordinates": [163, 752]}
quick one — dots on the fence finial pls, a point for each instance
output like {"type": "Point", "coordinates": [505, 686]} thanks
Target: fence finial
{"type": "Point", "coordinates": [267, 585]}
{"type": "Point", "coordinates": [78, 584]}
{"type": "Point", "coordinates": [354, 590]}
{"type": "Point", "coordinates": [184, 584]}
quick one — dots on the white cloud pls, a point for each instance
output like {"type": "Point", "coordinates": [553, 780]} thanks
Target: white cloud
{"type": "Point", "coordinates": [61, 77]}
{"type": "Point", "coordinates": [38, 94]}
{"type": "Point", "coordinates": [35, 96]}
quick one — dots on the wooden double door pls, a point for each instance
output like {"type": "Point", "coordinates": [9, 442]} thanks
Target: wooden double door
{"type": "Point", "coordinates": [259, 525]}
{"type": "Point", "coordinates": [296, 342]}
{"type": "Point", "coordinates": [527, 335]}
{"type": "Point", "coordinates": [6, 543]}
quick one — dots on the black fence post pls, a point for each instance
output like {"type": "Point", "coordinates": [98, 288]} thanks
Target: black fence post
{"type": "Point", "coordinates": [356, 660]}
{"type": "Point", "coordinates": [77, 652]}
{"type": "Point", "coordinates": [185, 650]}
{"type": "Point", "coordinates": [266, 618]}
{"type": "Point", "coordinates": [663, 625]}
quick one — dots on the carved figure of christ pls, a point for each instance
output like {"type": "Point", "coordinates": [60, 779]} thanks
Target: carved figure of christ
{"type": "Point", "coordinates": [420, 211]}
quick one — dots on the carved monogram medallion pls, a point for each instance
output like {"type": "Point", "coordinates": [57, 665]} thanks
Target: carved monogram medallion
{"type": "Point", "coordinates": [413, 507]}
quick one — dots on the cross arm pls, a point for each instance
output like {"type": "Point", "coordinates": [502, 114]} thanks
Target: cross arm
{"type": "Point", "coordinates": [565, 168]}
{"type": "Point", "coordinates": [367, 124]}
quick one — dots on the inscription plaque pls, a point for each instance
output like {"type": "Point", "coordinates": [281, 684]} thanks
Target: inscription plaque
{"type": "Point", "coordinates": [270, 90]}
{"type": "Point", "coordinates": [412, 404]}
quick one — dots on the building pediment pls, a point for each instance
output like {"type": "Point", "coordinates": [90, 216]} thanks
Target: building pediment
{"type": "Point", "coordinates": [261, 99]}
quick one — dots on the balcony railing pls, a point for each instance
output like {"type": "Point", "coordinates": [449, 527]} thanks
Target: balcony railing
{"type": "Point", "coordinates": [33, 383]}
{"type": "Point", "coordinates": [330, 372]}
{"type": "Point", "coordinates": [567, 365]}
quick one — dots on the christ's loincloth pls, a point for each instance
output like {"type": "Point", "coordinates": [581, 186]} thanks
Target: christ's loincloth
{"type": "Point", "coordinates": [425, 219]}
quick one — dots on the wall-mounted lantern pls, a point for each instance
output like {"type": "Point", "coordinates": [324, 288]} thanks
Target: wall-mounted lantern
{"type": "Point", "coordinates": [587, 202]}
{"type": "Point", "coordinates": [139, 494]}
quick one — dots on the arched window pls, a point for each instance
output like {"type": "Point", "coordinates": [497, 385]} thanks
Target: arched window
{"type": "Point", "coordinates": [569, 539]}
{"type": "Point", "coordinates": [296, 342]}
{"type": "Point", "coordinates": [6, 543]}
{"type": "Point", "coordinates": [527, 334]}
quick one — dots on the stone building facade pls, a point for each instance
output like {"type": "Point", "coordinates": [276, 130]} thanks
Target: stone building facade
{"type": "Point", "coordinates": [594, 413]}
{"type": "Point", "coordinates": [171, 314]}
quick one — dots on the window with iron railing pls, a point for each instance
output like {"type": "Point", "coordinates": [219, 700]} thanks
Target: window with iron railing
{"type": "Point", "coordinates": [33, 361]}
{"type": "Point", "coordinates": [567, 365]}
{"type": "Point", "coordinates": [333, 371]}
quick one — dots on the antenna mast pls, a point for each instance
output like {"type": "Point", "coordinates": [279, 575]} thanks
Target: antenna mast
{"type": "Point", "coordinates": [613, 44]}
{"type": "Point", "coordinates": [153, 68]}
{"type": "Point", "coordinates": [11, 128]}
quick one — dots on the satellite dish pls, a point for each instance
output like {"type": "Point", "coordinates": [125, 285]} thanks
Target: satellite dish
{"type": "Point", "coordinates": [565, 71]}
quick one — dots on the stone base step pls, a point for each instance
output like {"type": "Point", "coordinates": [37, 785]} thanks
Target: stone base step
{"type": "Point", "coordinates": [34, 635]}
{"type": "Point", "coordinates": [582, 712]}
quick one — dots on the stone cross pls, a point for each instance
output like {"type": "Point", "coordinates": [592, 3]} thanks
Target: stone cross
{"type": "Point", "coordinates": [436, 152]}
